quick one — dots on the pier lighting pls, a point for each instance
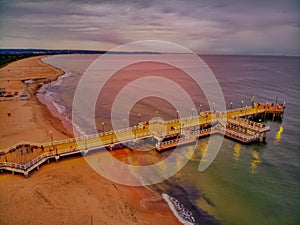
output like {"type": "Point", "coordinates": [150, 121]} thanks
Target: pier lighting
{"type": "Point", "coordinates": [134, 132]}
{"type": "Point", "coordinates": [192, 111]}
{"type": "Point", "coordinates": [276, 99]}
{"type": "Point", "coordinates": [156, 113]}
{"type": "Point", "coordinates": [213, 106]}
{"type": "Point", "coordinates": [85, 141]}
{"type": "Point", "coordinates": [252, 101]}
{"type": "Point", "coordinates": [112, 137]}
{"type": "Point", "coordinates": [124, 120]}
{"type": "Point", "coordinates": [284, 103]}
{"type": "Point", "coordinates": [139, 116]}
{"type": "Point", "coordinates": [200, 108]}
{"type": "Point", "coordinates": [230, 105]}
{"type": "Point", "coordinates": [242, 102]}
{"type": "Point", "coordinates": [51, 136]}
{"type": "Point", "coordinates": [177, 114]}
{"type": "Point", "coordinates": [102, 126]}
{"type": "Point", "coordinates": [78, 129]}
{"type": "Point", "coordinates": [180, 127]}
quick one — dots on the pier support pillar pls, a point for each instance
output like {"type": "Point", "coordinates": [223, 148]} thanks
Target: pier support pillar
{"type": "Point", "coordinates": [48, 161]}
{"type": "Point", "coordinates": [13, 172]}
{"type": "Point", "coordinates": [262, 137]}
{"type": "Point", "coordinates": [84, 152]}
{"type": "Point", "coordinates": [158, 142]}
{"type": "Point", "coordinates": [57, 158]}
{"type": "Point", "coordinates": [37, 168]}
{"type": "Point", "coordinates": [26, 174]}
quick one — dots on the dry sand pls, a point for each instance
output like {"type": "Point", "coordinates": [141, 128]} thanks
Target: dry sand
{"type": "Point", "coordinates": [69, 191]}
{"type": "Point", "coordinates": [30, 121]}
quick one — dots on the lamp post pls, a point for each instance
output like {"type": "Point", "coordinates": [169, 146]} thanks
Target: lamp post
{"type": "Point", "coordinates": [230, 105]}
{"type": "Point", "coordinates": [242, 102]}
{"type": "Point", "coordinates": [124, 120]}
{"type": "Point", "coordinates": [180, 127]}
{"type": "Point", "coordinates": [156, 113]}
{"type": "Point", "coordinates": [139, 116]}
{"type": "Point", "coordinates": [192, 111]}
{"type": "Point", "coordinates": [200, 109]}
{"type": "Point", "coordinates": [112, 137]}
{"type": "Point", "coordinates": [276, 99]}
{"type": "Point", "coordinates": [102, 127]}
{"type": "Point", "coordinates": [213, 106]}
{"type": "Point", "coordinates": [134, 132]}
{"type": "Point", "coordinates": [177, 114]}
{"type": "Point", "coordinates": [252, 101]}
{"type": "Point", "coordinates": [51, 137]}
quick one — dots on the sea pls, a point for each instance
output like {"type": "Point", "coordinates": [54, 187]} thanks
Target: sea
{"type": "Point", "coordinates": [246, 184]}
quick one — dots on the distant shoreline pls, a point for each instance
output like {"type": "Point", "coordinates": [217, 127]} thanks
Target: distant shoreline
{"type": "Point", "coordinates": [39, 52]}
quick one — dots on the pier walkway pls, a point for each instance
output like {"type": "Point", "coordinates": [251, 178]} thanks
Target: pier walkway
{"type": "Point", "coordinates": [234, 124]}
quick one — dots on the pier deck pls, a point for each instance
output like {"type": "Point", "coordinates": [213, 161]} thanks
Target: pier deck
{"type": "Point", "coordinates": [233, 123]}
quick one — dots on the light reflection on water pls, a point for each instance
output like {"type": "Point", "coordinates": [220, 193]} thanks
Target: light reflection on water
{"type": "Point", "coordinates": [278, 134]}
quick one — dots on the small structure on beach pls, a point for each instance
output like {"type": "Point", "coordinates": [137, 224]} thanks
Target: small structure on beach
{"type": "Point", "coordinates": [24, 97]}
{"type": "Point", "coordinates": [2, 91]}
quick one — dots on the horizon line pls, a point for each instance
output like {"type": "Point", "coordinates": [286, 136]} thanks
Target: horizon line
{"type": "Point", "coordinates": [150, 52]}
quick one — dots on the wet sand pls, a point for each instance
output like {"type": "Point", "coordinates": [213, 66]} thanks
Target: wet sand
{"type": "Point", "coordinates": [69, 191]}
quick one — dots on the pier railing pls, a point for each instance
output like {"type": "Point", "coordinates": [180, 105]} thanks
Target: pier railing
{"type": "Point", "coordinates": [188, 129]}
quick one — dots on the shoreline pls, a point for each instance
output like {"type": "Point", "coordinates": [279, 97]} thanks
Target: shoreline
{"type": "Point", "coordinates": [179, 210]}
{"type": "Point", "coordinates": [38, 114]}
{"type": "Point", "coordinates": [49, 102]}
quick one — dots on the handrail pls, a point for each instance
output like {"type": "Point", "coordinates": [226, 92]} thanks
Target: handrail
{"type": "Point", "coordinates": [181, 120]}
{"type": "Point", "coordinates": [238, 128]}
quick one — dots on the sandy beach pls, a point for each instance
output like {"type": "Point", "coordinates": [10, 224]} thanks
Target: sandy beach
{"type": "Point", "coordinates": [29, 120]}
{"type": "Point", "coordinates": [69, 191]}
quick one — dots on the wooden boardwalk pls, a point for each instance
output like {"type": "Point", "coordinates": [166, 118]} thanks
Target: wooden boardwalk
{"type": "Point", "coordinates": [25, 157]}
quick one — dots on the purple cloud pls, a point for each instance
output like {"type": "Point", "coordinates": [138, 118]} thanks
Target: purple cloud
{"type": "Point", "coordinates": [264, 27]}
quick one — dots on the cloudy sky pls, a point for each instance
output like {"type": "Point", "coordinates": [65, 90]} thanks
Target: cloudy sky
{"type": "Point", "coordinates": [204, 26]}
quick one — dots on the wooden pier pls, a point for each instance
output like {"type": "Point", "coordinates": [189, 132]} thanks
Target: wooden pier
{"type": "Point", "coordinates": [237, 124]}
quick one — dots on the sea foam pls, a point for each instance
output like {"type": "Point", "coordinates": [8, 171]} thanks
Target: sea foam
{"type": "Point", "coordinates": [178, 212]}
